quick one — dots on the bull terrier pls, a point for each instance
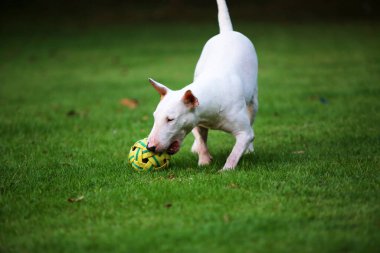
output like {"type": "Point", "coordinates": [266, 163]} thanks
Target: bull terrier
{"type": "Point", "coordinates": [223, 96]}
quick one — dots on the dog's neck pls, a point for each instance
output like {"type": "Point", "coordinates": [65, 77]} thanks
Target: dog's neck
{"type": "Point", "coordinates": [209, 101]}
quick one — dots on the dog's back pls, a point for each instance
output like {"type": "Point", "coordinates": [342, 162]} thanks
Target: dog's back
{"type": "Point", "coordinates": [229, 55]}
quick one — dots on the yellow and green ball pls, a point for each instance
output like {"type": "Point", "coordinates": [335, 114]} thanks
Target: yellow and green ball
{"type": "Point", "coordinates": [143, 160]}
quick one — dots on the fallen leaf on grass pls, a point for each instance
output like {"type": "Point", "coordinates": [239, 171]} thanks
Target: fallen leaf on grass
{"type": "Point", "coordinates": [323, 100]}
{"type": "Point", "coordinates": [77, 199]}
{"type": "Point", "coordinates": [226, 218]}
{"type": "Point", "coordinates": [168, 205]}
{"type": "Point", "coordinates": [298, 152]}
{"type": "Point", "coordinates": [75, 113]}
{"type": "Point", "coordinates": [171, 176]}
{"type": "Point", "coordinates": [71, 113]}
{"type": "Point", "coordinates": [232, 186]}
{"type": "Point", "coordinates": [130, 103]}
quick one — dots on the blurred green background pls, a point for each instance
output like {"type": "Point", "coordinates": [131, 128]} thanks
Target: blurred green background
{"type": "Point", "coordinates": [312, 184]}
{"type": "Point", "coordinates": [119, 11]}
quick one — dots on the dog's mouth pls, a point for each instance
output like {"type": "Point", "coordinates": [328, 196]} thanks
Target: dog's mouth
{"type": "Point", "coordinates": [173, 148]}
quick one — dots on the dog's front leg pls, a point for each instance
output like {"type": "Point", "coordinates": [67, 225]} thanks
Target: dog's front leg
{"type": "Point", "coordinates": [200, 145]}
{"type": "Point", "coordinates": [243, 140]}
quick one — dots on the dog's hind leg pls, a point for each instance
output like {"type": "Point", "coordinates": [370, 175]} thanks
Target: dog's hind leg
{"type": "Point", "coordinates": [200, 145]}
{"type": "Point", "coordinates": [251, 110]}
{"type": "Point", "coordinates": [241, 128]}
{"type": "Point", "coordinates": [243, 139]}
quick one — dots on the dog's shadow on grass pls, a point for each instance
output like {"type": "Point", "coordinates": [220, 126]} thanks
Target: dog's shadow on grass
{"type": "Point", "coordinates": [263, 159]}
{"type": "Point", "coordinates": [258, 159]}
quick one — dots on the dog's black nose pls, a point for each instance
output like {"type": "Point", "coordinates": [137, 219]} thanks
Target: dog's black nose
{"type": "Point", "coordinates": [152, 148]}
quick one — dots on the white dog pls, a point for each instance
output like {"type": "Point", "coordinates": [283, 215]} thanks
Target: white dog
{"type": "Point", "coordinates": [223, 96]}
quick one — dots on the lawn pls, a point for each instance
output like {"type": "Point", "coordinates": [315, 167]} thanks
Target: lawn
{"type": "Point", "coordinates": [312, 184]}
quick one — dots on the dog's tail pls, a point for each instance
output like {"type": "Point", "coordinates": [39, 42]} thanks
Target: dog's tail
{"type": "Point", "coordinates": [224, 19]}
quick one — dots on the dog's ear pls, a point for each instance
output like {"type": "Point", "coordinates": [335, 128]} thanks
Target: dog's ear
{"type": "Point", "coordinates": [190, 100]}
{"type": "Point", "coordinates": [160, 88]}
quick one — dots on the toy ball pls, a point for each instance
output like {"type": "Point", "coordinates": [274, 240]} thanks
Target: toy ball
{"type": "Point", "coordinates": [143, 160]}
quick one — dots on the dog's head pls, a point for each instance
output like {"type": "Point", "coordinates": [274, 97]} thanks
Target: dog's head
{"type": "Point", "coordinates": [174, 118]}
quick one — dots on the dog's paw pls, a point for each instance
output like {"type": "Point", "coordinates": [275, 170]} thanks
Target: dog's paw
{"type": "Point", "coordinates": [204, 160]}
{"type": "Point", "coordinates": [250, 149]}
{"type": "Point", "coordinates": [228, 167]}
{"type": "Point", "coordinates": [225, 169]}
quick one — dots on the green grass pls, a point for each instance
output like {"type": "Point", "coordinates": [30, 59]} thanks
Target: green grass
{"type": "Point", "coordinates": [319, 88]}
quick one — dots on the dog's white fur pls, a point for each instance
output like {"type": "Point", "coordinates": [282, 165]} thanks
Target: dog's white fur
{"type": "Point", "coordinates": [222, 96]}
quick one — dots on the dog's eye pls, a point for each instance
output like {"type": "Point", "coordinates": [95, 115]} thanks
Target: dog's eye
{"type": "Point", "coordinates": [169, 119]}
